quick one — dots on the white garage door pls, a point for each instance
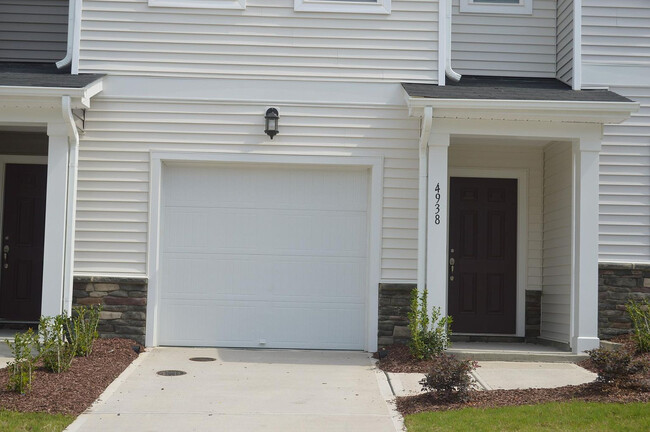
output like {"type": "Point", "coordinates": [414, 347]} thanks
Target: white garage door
{"type": "Point", "coordinates": [259, 256]}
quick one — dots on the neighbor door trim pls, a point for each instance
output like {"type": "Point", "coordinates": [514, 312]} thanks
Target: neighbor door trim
{"type": "Point", "coordinates": [521, 175]}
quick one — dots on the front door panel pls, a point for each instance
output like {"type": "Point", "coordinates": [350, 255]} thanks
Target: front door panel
{"type": "Point", "coordinates": [483, 250]}
{"type": "Point", "coordinates": [23, 233]}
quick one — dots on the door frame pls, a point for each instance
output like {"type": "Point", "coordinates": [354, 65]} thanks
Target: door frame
{"type": "Point", "coordinates": [23, 160]}
{"type": "Point", "coordinates": [521, 175]}
{"type": "Point", "coordinates": [375, 166]}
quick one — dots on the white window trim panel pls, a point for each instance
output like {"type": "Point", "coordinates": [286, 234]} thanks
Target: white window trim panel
{"type": "Point", "coordinates": [204, 4]}
{"type": "Point", "coordinates": [377, 7]}
{"type": "Point", "coordinates": [525, 7]}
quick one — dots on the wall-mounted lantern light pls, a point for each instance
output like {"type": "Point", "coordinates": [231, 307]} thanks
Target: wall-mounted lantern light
{"type": "Point", "coordinates": [271, 122]}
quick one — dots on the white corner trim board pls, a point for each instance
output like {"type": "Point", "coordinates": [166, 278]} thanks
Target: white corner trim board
{"type": "Point", "coordinates": [206, 4]}
{"type": "Point", "coordinates": [503, 7]}
{"type": "Point", "coordinates": [343, 6]}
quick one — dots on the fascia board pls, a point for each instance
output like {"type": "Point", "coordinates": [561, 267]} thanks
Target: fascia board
{"type": "Point", "coordinates": [596, 112]}
{"type": "Point", "coordinates": [80, 96]}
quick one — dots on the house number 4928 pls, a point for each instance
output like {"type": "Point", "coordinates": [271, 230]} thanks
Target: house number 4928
{"type": "Point", "coordinates": [437, 205]}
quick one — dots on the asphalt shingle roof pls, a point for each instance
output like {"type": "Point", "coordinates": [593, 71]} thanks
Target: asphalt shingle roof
{"type": "Point", "coordinates": [500, 88]}
{"type": "Point", "coordinates": [42, 75]}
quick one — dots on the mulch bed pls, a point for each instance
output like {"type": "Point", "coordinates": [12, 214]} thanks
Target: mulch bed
{"type": "Point", "coordinates": [592, 392]}
{"type": "Point", "coordinates": [74, 390]}
{"type": "Point", "coordinates": [399, 360]}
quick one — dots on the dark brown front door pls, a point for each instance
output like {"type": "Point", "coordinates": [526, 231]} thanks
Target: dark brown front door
{"type": "Point", "coordinates": [23, 232]}
{"type": "Point", "coordinates": [483, 249]}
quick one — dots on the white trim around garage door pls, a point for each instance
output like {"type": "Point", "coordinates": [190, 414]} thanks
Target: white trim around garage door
{"type": "Point", "coordinates": [374, 164]}
{"type": "Point", "coordinates": [522, 228]}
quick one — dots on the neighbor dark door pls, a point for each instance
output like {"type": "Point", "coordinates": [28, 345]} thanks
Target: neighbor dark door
{"type": "Point", "coordinates": [23, 232]}
{"type": "Point", "coordinates": [483, 255]}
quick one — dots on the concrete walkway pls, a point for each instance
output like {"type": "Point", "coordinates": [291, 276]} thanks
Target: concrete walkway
{"type": "Point", "coordinates": [245, 390]}
{"type": "Point", "coordinates": [506, 375]}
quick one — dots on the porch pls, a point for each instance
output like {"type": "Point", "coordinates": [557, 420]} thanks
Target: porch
{"type": "Point", "coordinates": [509, 179]}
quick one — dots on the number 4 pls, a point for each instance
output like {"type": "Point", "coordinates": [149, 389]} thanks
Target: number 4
{"type": "Point", "coordinates": [437, 187]}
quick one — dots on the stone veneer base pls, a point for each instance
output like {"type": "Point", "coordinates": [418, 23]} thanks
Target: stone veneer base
{"type": "Point", "coordinates": [123, 301]}
{"type": "Point", "coordinates": [617, 284]}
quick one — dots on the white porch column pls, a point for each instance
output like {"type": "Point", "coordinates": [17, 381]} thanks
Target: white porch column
{"type": "Point", "coordinates": [55, 212]}
{"type": "Point", "coordinates": [585, 264]}
{"type": "Point", "coordinates": [437, 220]}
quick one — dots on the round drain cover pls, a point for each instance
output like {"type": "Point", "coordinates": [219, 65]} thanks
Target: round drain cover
{"type": "Point", "coordinates": [171, 372]}
{"type": "Point", "coordinates": [203, 359]}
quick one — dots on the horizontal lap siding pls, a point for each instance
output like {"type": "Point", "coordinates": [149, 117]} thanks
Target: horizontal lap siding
{"type": "Point", "coordinates": [504, 157]}
{"type": "Point", "coordinates": [33, 30]}
{"type": "Point", "coordinates": [625, 185]}
{"type": "Point", "coordinates": [556, 281]}
{"type": "Point", "coordinates": [267, 39]}
{"type": "Point", "coordinates": [505, 45]}
{"type": "Point", "coordinates": [564, 44]}
{"type": "Point", "coordinates": [112, 212]}
{"type": "Point", "coordinates": [616, 32]}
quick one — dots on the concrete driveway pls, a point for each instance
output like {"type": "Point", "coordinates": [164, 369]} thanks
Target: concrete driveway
{"type": "Point", "coordinates": [245, 390]}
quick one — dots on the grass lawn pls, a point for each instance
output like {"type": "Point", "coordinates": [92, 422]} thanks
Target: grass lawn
{"type": "Point", "coordinates": [566, 416]}
{"type": "Point", "coordinates": [11, 421]}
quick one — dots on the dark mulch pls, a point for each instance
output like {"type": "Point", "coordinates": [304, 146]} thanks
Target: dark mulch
{"type": "Point", "coordinates": [74, 390]}
{"type": "Point", "coordinates": [399, 360]}
{"type": "Point", "coordinates": [592, 392]}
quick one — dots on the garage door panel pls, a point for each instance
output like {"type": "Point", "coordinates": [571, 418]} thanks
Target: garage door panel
{"type": "Point", "coordinates": [270, 188]}
{"type": "Point", "coordinates": [263, 257]}
{"type": "Point", "coordinates": [264, 231]}
{"type": "Point", "coordinates": [229, 277]}
{"type": "Point", "coordinates": [326, 327]}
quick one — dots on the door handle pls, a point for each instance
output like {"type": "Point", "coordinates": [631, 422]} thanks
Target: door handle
{"type": "Point", "coordinates": [452, 262]}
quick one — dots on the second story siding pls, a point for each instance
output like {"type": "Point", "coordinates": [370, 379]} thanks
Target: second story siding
{"type": "Point", "coordinates": [616, 33]}
{"type": "Point", "coordinates": [564, 62]}
{"type": "Point", "coordinates": [33, 30]}
{"type": "Point", "coordinates": [266, 40]}
{"type": "Point", "coordinates": [505, 45]}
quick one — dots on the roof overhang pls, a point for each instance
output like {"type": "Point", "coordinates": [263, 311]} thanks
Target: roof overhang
{"type": "Point", "coordinates": [524, 110]}
{"type": "Point", "coordinates": [30, 95]}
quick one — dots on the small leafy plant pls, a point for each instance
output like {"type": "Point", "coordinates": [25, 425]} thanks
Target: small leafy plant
{"type": "Point", "coordinates": [615, 366]}
{"type": "Point", "coordinates": [429, 333]}
{"type": "Point", "coordinates": [640, 315]}
{"type": "Point", "coordinates": [450, 378]}
{"type": "Point", "coordinates": [54, 347]}
{"type": "Point", "coordinates": [83, 331]}
{"type": "Point", "coordinates": [21, 369]}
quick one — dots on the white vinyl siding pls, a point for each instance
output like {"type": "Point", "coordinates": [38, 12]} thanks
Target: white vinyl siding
{"type": "Point", "coordinates": [616, 32]}
{"type": "Point", "coordinates": [266, 40]}
{"type": "Point", "coordinates": [564, 61]}
{"type": "Point", "coordinates": [507, 157]}
{"type": "Point", "coordinates": [112, 212]}
{"type": "Point", "coordinates": [505, 45]}
{"type": "Point", "coordinates": [556, 292]}
{"type": "Point", "coordinates": [33, 30]}
{"type": "Point", "coordinates": [625, 185]}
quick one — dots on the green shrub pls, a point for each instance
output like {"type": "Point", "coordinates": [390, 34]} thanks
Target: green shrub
{"type": "Point", "coordinates": [429, 334]}
{"type": "Point", "coordinates": [54, 347]}
{"type": "Point", "coordinates": [640, 315]}
{"type": "Point", "coordinates": [21, 369]}
{"type": "Point", "coordinates": [615, 366]}
{"type": "Point", "coordinates": [450, 378]}
{"type": "Point", "coordinates": [83, 331]}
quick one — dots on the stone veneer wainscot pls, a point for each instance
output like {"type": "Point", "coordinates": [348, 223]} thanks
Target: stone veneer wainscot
{"type": "Point", "coordinates": [617, 284]}
{"type": "Point", "coordinates": [123, 301]}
